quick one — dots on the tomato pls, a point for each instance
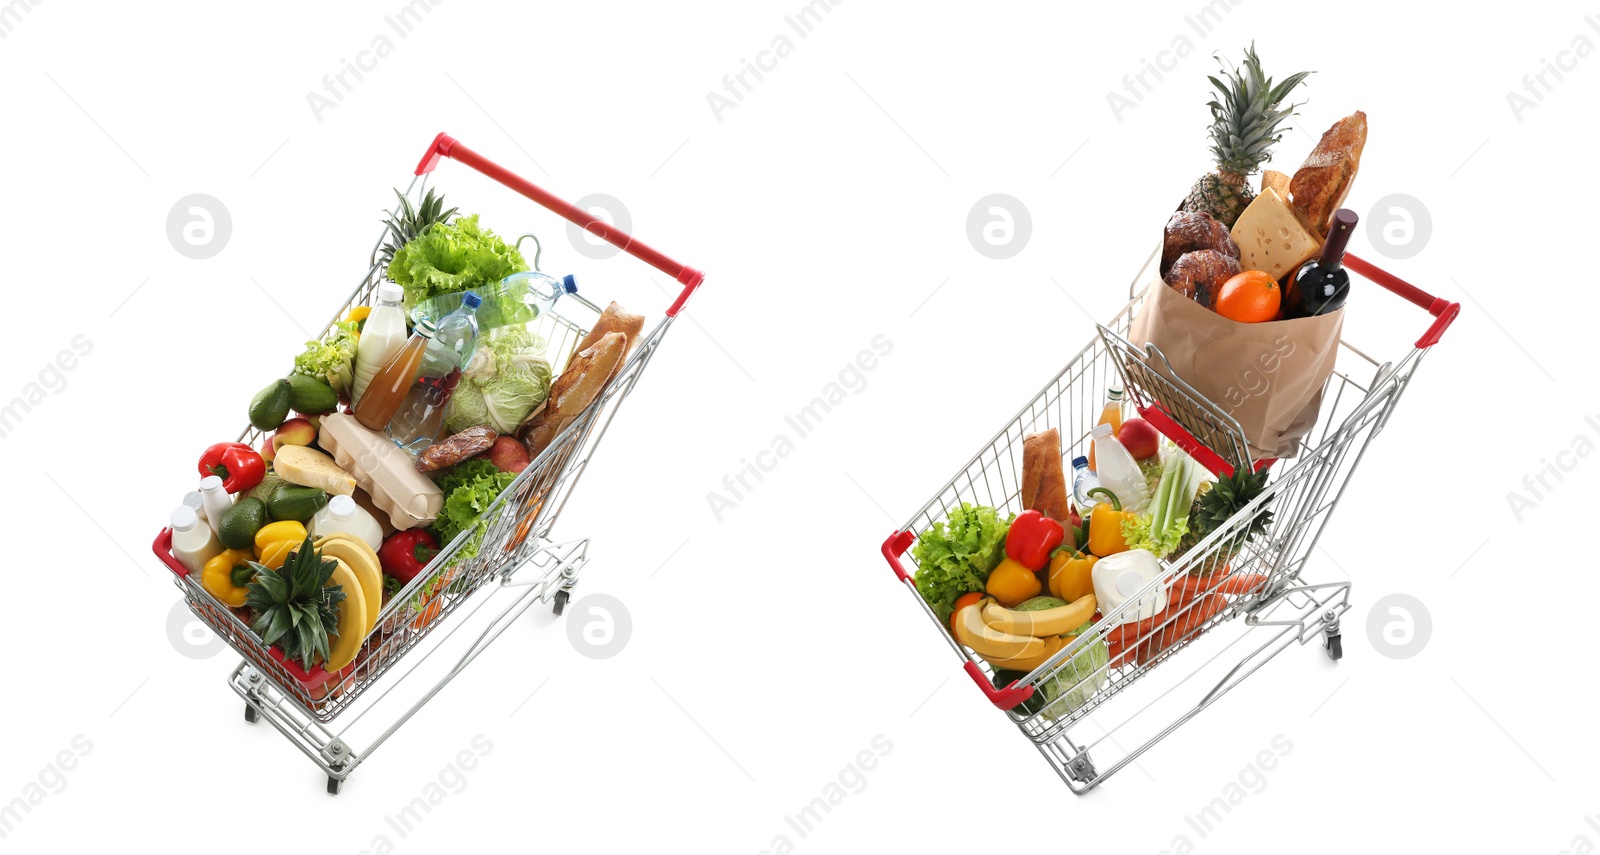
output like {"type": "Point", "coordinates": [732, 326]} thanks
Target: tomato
{"type": "Point", "coordinates": [968, 599]}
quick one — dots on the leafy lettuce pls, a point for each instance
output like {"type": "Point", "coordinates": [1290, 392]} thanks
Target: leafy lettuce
{"type": "Point", "coordinates": [469, 488]}
{"type": "Point", "coordinates": [507, 377]}
{"type": "Point", "coordinates": [955, 556]}
{"type": "Point", "coordinates": [332, 358]}
{"type": "Point", "coordinates": [451, 257]}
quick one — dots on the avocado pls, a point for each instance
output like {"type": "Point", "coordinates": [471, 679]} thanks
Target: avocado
{"type": "Point", "coordinates": [239, 524]}
{"type": "Point", "coordinates": [311, 395]}
{"type": "Point", "coordinates": [267, 488]}
{"type": "Point", "coordinates": [270, 406]}
{"type": "Point", "coordinates": [296, 503]}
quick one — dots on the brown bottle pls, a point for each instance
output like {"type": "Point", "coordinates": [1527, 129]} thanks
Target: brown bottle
{"type": "Point", "coordinates": [390, 385]}
{"type": "Point", "coordinates": [1322, 284]}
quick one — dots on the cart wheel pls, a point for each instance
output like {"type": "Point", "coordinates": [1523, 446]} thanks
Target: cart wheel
{"type": "Point", "coordinates": [561, 600]}
{"type": "Point", "coordinates": [1335, 648]}
{"type": "Point", "coordinates": [250, 714]}
{"type": "Point", "coordinates": [334, 785]}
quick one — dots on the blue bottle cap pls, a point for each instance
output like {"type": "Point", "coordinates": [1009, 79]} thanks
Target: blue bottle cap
{"type": "Point", "coordinates": [1080, 461]}
{"type": "Point", "coordinates": [471, 300]}
{"type": "Point", "coordinates": [568, 284]}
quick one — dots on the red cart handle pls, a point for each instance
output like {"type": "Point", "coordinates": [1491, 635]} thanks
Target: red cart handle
{"type": "Point", "coordinates": [163, 550]}
{"type": "Point", "coordinates": [1444, 312]}
{"type": "Point", "coordinates": [1006, 698]}
{"type": "Point", "coordinates": [445, 145]}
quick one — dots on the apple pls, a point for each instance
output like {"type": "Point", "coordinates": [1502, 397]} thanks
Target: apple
{"type": "Point", "coordinates": [1141, 439]}
{"type": "Point", "coordinates": [294, 432]}
{"type": "Point", "coordinates": [267, 449]}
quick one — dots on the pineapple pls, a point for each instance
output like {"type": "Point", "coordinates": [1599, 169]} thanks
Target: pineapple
{"type": "Point", "coordinates": [1244, 124]}
{"type": "Point", "coordinates": [412, 222]}
{"type": "Point", "coordinates": [293, 608]}
{"type": "Point", "coordinates": [1213, 508]}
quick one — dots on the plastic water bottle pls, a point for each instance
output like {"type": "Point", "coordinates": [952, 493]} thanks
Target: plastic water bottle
{"type": "Point", "coordinates": [416, 424]}
{"type": "Point", "coordinates": [1083, 481]}
{"type": "Point", "coordinates": [1119, 472]}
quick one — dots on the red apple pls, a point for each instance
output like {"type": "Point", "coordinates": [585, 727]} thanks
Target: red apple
{"type": "Point", "coordinates": [508, 454]}
{"type": "Point", "coordinates": [1141, 439]}
{"type": "Point", "coordinates": [267, 449]}
{"type": "Point", "coordinates": [294, 432]}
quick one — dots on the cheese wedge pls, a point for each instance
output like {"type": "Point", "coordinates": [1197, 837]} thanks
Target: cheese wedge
{"type": "Point", "coordinates": [1273, 235]}
{"type": "Point", "coordinates": [308, 467]}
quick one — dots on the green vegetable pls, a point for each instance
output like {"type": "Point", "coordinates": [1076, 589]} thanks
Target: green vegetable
{"type": "Point", "coordinates": [469, 488]}
{"type": "Point", "coordinates": [1076, 680]}
{"type": "Point", "coordinates": [954, 557]}
{"type": "Point", "coordinates": [1163, 527]}
{"type": "Point", "coordinates": [332, 358]}
{"type": "Point", "coordinates": [507, 377]}
{"type": "Point", "coordinates": [450, 257]}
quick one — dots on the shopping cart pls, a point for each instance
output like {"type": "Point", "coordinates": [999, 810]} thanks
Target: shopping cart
{"type": "Point", "coordinates": [516, 551]}
{"type": "Point", "coordinates": [1260, 579]}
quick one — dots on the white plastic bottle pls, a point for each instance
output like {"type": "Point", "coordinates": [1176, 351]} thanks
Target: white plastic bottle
{"type": "Point", "coordinates": [1119, 472]}
{"type": "Point", "coordinates": [192, 499]}
{"type": "Point", "coordinates": [214, 499]}
{"type": "Point", "coordinates": [342, 514]}
{"type": "Point", "coordinates": [193, 542]}
{"type": "Point", "coordinates": [1118, 578]}
{"type": "Point", "coordinates": [382, 336]}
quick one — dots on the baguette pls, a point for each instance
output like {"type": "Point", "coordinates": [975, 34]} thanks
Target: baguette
{"type": "Point", "coordinates": [1044, 484]}
{"type": "Point", "coordinates": [1321, 184]}
{"type": "Point", "coordinates": [579, 385]}
{"type": "Point", "coordinates": [1276, 180]}
{"type": "Point", "coordinates": [613, 319]}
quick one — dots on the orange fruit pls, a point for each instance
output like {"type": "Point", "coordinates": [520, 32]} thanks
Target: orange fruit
{"type": "Point", "coordinates": [1249, 297]}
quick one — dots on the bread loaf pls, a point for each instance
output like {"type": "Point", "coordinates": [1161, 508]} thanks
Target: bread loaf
{"type": "Point", "coordinates": [613, 319]}
{"type": "Point", "coordinates": [1321, 184]}
{"type": "Point", "coordinates": [586, 376]}
{"type": "Point", "coordinates": [1044, 482]}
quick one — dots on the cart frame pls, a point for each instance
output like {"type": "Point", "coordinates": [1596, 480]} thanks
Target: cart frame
{"type": "Point", "coordinates": [302, 703]}
{"type": "Point", "coordinates": [1227, 575]}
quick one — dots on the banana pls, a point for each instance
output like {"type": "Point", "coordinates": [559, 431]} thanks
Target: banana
{"type": "Point", "coordinates": [1052, 645]}
{"type": "Point", "coordinates": [364, 562]}
{"type": "Point", "coordinates": [987, 641]}
{"type": "Point", "coordinates": [353, 620]}
{"type": "Point", "coordinates": [1046, 622]}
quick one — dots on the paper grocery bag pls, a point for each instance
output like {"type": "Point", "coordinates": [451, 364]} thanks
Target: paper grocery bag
{"type": "Point", "coordinates": [1269, 376]}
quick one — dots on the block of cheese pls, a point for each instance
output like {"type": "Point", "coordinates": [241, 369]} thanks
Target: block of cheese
{"type": "Point", "coordinates": [311, 468]}
{"type": "Point", "coordinates": [1273, 235]}
{"type": "Point", "coordinates": [388, 474]}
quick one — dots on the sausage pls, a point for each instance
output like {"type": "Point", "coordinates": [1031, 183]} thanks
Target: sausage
{"type": "Point", "coordinates": [456, 448]}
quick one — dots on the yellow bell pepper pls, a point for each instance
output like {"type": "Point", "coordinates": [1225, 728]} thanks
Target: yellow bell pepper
{"type": "Point", "coordinates": [1011, 582]}
{"type": "Point", "coordinates": [1069, 574]}
{"type": "Point", "coordinates": [226, 576]}
{"type": "Point", "coordinates": [279, 531]}
{"type": "Point", "coordinates": [1105, 524]}
{"type": "Point", "coordinates": [277, 553]}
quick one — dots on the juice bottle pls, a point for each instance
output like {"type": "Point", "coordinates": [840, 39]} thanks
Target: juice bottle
{"type": "Point", "coordinates": [1111, 414]}
{"type": "Point", "coordinates": [420, 417]}
{"type": "Point", "coordinates": [382, 336]}
{"type": "Point", "coordinates": [390, 385]}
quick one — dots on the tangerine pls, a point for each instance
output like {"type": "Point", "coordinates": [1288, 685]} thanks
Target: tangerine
{"type": "Point", "coordinates": [1249, 297]}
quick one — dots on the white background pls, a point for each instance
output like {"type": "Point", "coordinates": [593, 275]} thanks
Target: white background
{"type": "Point", "coordinates": [771, 647]}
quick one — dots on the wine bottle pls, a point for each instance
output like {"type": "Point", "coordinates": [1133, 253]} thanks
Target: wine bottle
{"type": "Point", "coordinates": [1322, 284]}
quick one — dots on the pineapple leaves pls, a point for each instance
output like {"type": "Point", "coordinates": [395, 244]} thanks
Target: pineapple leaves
{"type": "Point", "coordinates": [295, 608]}
{"type": "Point", "coordinates": [1246, 117]}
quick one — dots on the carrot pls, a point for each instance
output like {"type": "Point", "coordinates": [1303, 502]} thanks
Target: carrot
{"type": "Point", "coordinates": [1236, 584]}
{"type": "Point", "coordinates": [1185, 625]}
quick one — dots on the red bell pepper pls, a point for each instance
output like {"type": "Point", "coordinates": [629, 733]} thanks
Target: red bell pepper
{"type": "Point", "coordinates": [1031, 538]}
{"type": "Point", "coordinates": [407, 553]}
{"type": "Point", "coordinates": [237, 464]}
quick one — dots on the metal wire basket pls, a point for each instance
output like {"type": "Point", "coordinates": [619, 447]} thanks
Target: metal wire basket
{"type": "Point", "coordinates": [1226, 575]}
